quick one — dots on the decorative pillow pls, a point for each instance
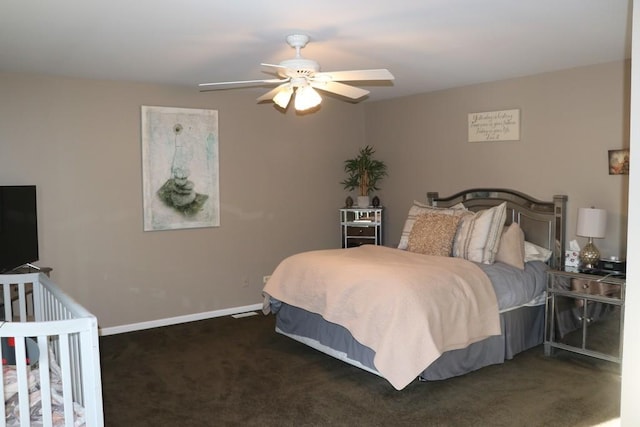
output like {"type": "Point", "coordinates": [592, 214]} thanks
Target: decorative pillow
{"type": "Point", "coordinates": [511, 249]}
{"type": "Point", "coordinates": [432, 234]}
{"type": "Point", "coordinates": [478, 236]}
{"type": "Point", "coordinates": [420, 208]}
{"type": "Point", "coordinates": [534, 252]}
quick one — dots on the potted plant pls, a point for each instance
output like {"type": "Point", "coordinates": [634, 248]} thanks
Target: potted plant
{"type": "Point", "coordinates": [364, 172]}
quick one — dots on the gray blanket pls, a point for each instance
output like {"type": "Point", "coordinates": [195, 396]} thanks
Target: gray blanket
{"type": "Point", "coordinates": [516, 287]}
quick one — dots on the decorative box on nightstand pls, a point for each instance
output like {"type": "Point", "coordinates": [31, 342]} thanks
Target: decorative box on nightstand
{"type": "Point", "coordinates": [584, 314]}
{"type": "Point", "coordinates": [361, 226]}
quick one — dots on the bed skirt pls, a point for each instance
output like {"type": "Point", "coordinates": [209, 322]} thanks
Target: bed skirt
{"type": "Point", "coordinates": [522, 328]}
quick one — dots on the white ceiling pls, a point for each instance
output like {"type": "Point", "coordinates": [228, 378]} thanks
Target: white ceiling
{"type": "Point", "coordinates": [427, 44]}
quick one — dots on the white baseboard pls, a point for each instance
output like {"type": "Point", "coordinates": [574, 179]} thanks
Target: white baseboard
{"type": "Point", "coordinates": [177, 320]}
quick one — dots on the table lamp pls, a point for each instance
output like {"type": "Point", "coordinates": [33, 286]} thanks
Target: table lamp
{"type": "Point", "coordinates": [592, 223]}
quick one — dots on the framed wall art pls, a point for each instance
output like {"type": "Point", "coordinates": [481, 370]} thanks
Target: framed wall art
{"type": "Point", "coordinates": [619, 162]}
{"type": "Point", "coordinates": [180, 168]}
{"type": "Point", "coordinates": [489, 126]}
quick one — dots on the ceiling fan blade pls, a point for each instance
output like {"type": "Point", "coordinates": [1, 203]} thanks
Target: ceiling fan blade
{"type": "Point", "coordinates": [273, 65]}
{"type": "Point", "coordinates": [340, 89]}
{"type": "Point", "coordinates": [226, 85]}
{"type": "Point", "coordinates": [345, 76]}
{"type": "Point", "coordinates": [273, 92]}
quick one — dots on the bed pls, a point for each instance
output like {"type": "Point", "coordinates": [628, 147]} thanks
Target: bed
{"type": "Point", "coordinates": [435, 307]}
{"type": "Point", "coordinates": [50, 355]}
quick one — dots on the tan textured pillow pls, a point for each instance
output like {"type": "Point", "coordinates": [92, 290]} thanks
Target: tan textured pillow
{"type": "Point", "coordinates": [432, 234]}
{"type": "Point", "coordinates": [420, 208]}
{"type": "Point", "coordinates": [511, 249]}
{"type": "Point", "coordinates": [479, 235]}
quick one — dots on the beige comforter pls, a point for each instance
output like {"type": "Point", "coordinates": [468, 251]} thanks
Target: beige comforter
{"type": "Point", "coordinates": [409, 308]}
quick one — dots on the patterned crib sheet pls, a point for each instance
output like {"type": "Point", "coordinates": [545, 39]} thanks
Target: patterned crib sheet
{"type": "Point", "coordinates": [35, 401]}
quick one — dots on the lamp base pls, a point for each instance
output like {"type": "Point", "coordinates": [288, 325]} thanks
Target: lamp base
{"type": "Point", "coordinates": [589, 256]}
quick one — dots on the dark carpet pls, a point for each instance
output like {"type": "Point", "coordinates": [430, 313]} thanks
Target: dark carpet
{"type": "Point", "coordinates": [239, 372]}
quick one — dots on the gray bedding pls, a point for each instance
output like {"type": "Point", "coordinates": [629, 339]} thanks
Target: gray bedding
{"type": "Point", "coordinates": [516, 287]}
{"type": "Point", "coordinates": [522, 326]}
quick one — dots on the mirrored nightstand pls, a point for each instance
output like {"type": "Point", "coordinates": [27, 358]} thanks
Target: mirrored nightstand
{"type": "Point", "coordinates": [585, 314]}
{"type": "Point", "coordinates": [361, 226]}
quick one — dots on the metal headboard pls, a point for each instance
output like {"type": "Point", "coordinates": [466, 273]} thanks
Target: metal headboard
{"type": "Point", "coordinates": [543, 223]}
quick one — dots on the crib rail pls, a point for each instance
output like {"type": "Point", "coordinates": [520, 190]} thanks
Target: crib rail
{"type": "Point", "coordinates": [66, 335]}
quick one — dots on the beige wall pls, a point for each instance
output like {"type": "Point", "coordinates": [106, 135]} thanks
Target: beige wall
{"type": "Point", "coordinates": [79, 142]}
{"type": "Point", "coordinates": [569, 120]}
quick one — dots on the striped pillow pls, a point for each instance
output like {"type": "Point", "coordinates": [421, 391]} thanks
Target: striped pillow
{"type": "Point", "coordinates": [478, 236]}
{"type": "Point", "coordinates": [420, 209]}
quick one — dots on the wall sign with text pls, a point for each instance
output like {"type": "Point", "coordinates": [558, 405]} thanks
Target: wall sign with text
{"type": "Point", "coordinates": [488, 126]}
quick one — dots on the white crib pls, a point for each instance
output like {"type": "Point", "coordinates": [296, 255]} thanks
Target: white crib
{"type": "Point", "coordinates": [37, 311]}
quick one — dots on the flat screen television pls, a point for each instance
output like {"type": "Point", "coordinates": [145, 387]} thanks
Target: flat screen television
{"type": "Point", "coordinates": [18, 226]}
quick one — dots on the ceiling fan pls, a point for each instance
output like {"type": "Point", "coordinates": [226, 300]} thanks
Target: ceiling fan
{"type": "Point", "coordinates": [303, 76]}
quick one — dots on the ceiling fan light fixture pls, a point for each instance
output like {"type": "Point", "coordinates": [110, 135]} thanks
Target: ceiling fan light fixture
{"type": "Point", "coordinates": [283, 97]}
{"type": "Point", "coordinates": [307, 98]}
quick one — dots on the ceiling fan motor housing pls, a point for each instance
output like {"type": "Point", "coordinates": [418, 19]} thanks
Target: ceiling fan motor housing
{"type": "Point", "coordinates": [298, 67]}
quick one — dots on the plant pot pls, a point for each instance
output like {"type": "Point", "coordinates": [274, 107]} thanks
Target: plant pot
{"type": "Point", "coordinates": [363, 201]}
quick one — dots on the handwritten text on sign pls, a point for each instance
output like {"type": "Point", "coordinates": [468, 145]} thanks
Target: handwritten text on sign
{"type": "Point", "coordinates": [494, 126]}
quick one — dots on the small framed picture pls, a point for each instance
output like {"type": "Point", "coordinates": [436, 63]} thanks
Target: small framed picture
{"type": "Point", "coordinates": [619, 162]}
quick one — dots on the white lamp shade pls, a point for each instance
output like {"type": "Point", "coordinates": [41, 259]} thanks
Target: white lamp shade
{"type": "Point", "coordinates": [283, 97]}
{"type": "Point", "coordinates": [592, 222]}
{"type": "Point", "coordinates": [307, 97]}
